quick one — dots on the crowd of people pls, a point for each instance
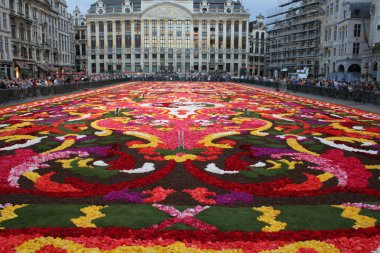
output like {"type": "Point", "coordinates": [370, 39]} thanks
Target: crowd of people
{"type": "Point", "coordinates": [369, 86]}
{"type": "Point", "coordinates": [57, 80]}
{"type": "Point", "coordinates": [163, 76]}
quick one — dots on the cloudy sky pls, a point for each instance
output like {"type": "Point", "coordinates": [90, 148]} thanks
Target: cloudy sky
{"type": "Point", "coordinates": [255, 6]}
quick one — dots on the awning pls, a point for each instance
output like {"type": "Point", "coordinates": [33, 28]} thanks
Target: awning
{"type": "Point", "coordinates": [43, 67]}
{"type": "Point", "coordinates": [68, 69]}
{"type": "Point", "coordinates": [24, 64]}
{"type": "Point", "coordinates": [53, 69]}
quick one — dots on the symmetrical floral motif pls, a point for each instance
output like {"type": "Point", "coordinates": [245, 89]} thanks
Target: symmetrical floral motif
{"type": "Point", "coordinates": [249, 170]}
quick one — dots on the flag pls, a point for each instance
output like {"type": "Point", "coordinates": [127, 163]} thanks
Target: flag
{"type": "Point", "coordinates": [365, 34]}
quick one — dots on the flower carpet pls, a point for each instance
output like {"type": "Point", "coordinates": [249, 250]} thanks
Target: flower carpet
{"type": "Point", "coordinates": [188, 167]}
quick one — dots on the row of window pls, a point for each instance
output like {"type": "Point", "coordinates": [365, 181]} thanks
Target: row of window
{"type": "Point", "coordinates": [169, 26]}
{"type": "Point", "coordinates": [330, 10]}
{"type": "Point", "coordinates": [155, 67]}
{"type": "Point", "coordinates": [24, 9]}
{"type": "Point", "coordinates": [196, 56]}
{"type": "Point", "coordinates": [331, 35]}
{"type": "Point", "coordinates": [164, 41]}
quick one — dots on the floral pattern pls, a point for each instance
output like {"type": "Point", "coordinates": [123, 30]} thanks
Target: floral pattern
{"type": "Point", "coordinates": [188, 167]}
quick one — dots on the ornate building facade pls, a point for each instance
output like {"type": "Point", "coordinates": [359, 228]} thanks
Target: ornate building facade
{"type": "Point", "coordinates": [257, 46]}
{"type": "Point", "coordinates": [6, 64]}
{"type": "Point", "coordinates": [40, 37]}
{"type": "Point", "coordinates": [345, 38]}
{"type": "Point", "coordinates": [80, 30]}
{"type": "Point", "coordinates": [371, 60]}
{"type": "Point", "coordinates": [152, 35]}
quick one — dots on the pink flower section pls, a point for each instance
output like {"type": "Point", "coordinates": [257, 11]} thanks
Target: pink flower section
{"type": "Point", "coordinates": [37, 162]}
{"type": "Point", "coordinates": [348, 170]}
{"type": "Point", "coordinates": [363, 206]}
{"type": "Point", "coordinates": [186, 217]}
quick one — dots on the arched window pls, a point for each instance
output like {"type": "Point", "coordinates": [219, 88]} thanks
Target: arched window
{"type": "Point", "coordinates": [257, 35]}
{"type": "Point", "coordinates": [262, 36]}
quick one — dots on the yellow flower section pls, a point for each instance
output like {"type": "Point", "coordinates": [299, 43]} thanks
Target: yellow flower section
{"type": "Point", "coordinates": [65, 144]}
{"type": "Point", "coordinates": [15, 127]}
{"type": "Point", "coordinates": [269, 217]}
{"type": "Point", "coordinates": [352, 213]}
{"type": "Point", "coordinates": [349, 130]}
{"type": "Point", "coordinates": [91, 213]}
{"type": "Point", "coordinates": [8, 213]}
{"type": "Point", "coordinates": [208, 140]}
{"type": "Point", "coordinates": [291, 164]}
{"type": "Point", "coordinates": [372, 167]}
{"type": "Point", "coordinates": [260, 130]}
{"type": "Point", "coordinates": [71, 247]}
{"type": "Point", "coordinates": [83, 163]}
{"type": "Point", "coordinates": [351, 140]}
{"type": "Point", "coordinates": [318, 246]}
{"type": "Point", "coordinates": [294, 144]}
{"type": "Point", "coordinates": [180, 159]}
{"type": "Point", "coordinates": [32, 176]}
{"type": "Point", "coordinates": [66, 163]}
{"type": "Point", "coordinates": [153, 140]}
{"type": "Point", "coordinates": [325, 176]}
{"type": "Point", "coordinates": [17, 138]}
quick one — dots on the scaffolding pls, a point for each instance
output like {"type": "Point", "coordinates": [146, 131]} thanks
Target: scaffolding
{"type": "Point", "coordinates": [294, 36]}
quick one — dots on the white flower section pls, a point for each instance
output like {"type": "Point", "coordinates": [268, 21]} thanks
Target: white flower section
{"type": "Point", "coordinates": [347, 148]}
{"type": "Point", "coordinates": [213, 169]}
{"type": "Point", "coordinates": [100, 133]}
{"type": "Point", "coordinates": [100, 163]}
{"type": "Point", "coordinates": [336, 116]}
{"type": "Point", "coordinates": [376, 251]}
{"type": "Point", "coordinates": [147, 167]}
{"type": "Point", "coordinates": [182, 108]}
{"type": "Point", "coordinates": [159, 122]}
{"type": "Point", "coordinates": [86, 116]}
{"type": "Point", "coordinates": [277, 116]}
{"type": "Point", "coordinates": [358, 128]}
{"type": "Point", "coordinates": [62, 138]}
{"type": "Point", "coordinates": [204, 122]}
{"type": "Point", "coordinates": [24, 145]}
{"type": "Point", "coordinates": [4, 125]}
{"type": "Point", "coordinates": [258, 165]}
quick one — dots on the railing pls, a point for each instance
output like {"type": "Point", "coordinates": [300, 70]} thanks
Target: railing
{"type": "Point", "coordinates": [18, 94]}
{"type": "Point", "coordinates": [361, 96]}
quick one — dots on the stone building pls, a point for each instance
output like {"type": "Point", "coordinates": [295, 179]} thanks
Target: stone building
{"type": "Point", "coordinates": [156, 35]}
{"type": "Point", "coordinates": [6, 63]}
{"type": "Point", "coordinates": [80, 30]}
{"type": "Point", "coordinates": [257, 46]}
{"type": "Point", "coordinates": [65, 60]}
{"type": "Point", "coordinates": [345, 38]}
{"type": "Point", "coordinates": [40, 36]}
{"type": "Point", "coordinates": [371, 59]}
{"type": "Point", "coordinates": [294, 32]}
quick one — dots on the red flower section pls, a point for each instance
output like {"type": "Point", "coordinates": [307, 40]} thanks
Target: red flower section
{"type": "Point", "coordinates": [357, 174]}
{"type": "Point", "coordinates": [158, 194]}
{"type": "Point", "coordinates": [45, 184]}
{"type": "Point", "coordinates": [125, 161]}
{"type": "Point", "coordinates": [312, 183]}
{"type": "Point", "coordinates": [200, 194]}
{"type": "Point", "coordinates": [10, 161]}
{"type": "Point", "coordinates": [184, 235]}
{"type": "Point", "coordinates": [235, 163]}
{"type": "Point", "coordinates": [50, 249]}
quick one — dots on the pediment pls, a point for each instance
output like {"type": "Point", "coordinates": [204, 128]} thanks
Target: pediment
{"type": "Point", "coordinates": [166, 11]}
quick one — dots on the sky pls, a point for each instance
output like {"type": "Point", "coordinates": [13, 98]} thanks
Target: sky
{"type": "Point", "coordinates": [255, 6]}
